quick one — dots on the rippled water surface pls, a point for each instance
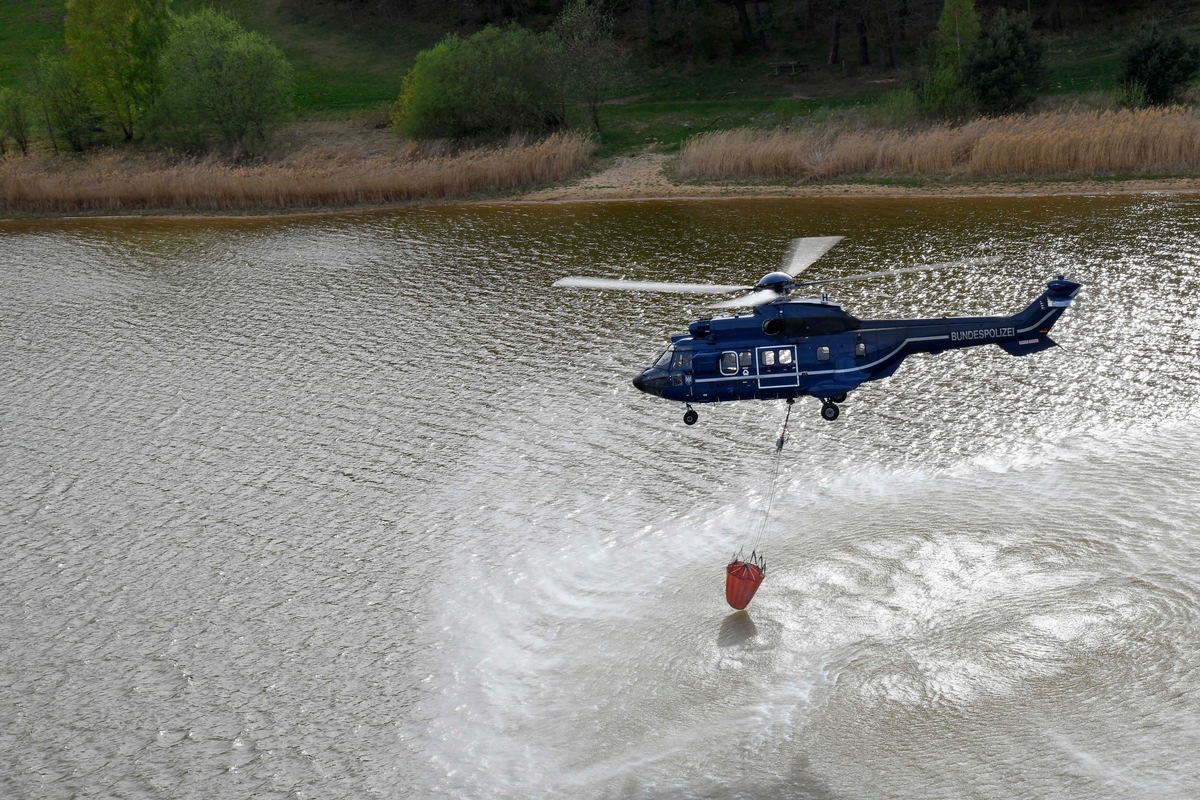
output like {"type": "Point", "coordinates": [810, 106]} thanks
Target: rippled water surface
{"type": "Point", "coordinates": [359, 506]}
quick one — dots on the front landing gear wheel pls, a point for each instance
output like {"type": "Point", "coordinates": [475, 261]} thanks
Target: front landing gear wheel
{"type": "Point", "coordinates": [829, 411]}
{"type": "Point", "coordinates": [690, 416]}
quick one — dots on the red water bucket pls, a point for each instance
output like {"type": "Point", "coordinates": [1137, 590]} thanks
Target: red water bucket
{"type": "Point", "coordinates": [741, 582]}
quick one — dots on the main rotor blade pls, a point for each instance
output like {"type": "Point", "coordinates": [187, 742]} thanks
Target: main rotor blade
{"type": "Point", "coordinates": [803, 252]}
{"type": "Point", "coordinates": [648, 286]}
{"type": "Point", "coordinates": [966, 262]}
{"type": "Point", "coordinates": [759, 298]}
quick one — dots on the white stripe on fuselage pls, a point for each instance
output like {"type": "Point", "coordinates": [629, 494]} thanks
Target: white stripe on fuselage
{"type": "Point", "coordinates": [860, 367]}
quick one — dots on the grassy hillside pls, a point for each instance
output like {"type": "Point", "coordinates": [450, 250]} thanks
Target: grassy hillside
{"type": "Point", "coordinates": [26, 27]}
{"type": "Point", "coordinates": [349, 63]}
{"type": "Point", "coordinates": [339, 65]}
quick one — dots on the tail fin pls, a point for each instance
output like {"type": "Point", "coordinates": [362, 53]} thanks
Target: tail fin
{"type": "Point", "coordinates": [1039, 317]}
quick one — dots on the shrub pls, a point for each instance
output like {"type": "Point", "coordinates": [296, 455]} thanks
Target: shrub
{"type": "Point", "coordinates": [115, 183]}
{"type": "Point", "coordinates": [944, 95]}
{"type": "Point", "coordinates": [14, 120]}
{"type": "Point", "coordinates": [63, 101]}
{"type": "Point", "coordinates": [493, 83]}
{"type": "Point", "coordinates": [896, 109]}
{"type": "Point", "coordinates": [1160, 62]}
{"type": "Point", "coordinates": [1006, 66]}
{"type": "Point", "coordinates": [943, 92]}
{"type": "Point", "coordinates": [221, 82]}
{"type": "Point", "coordinates": [114, 44]}
{"type": "Point", "coordinates": [592, 63]}
{"type": "Point", "coordinates": [1051, 144]}
{"type": "Point", "coordinates": [1130, 94]}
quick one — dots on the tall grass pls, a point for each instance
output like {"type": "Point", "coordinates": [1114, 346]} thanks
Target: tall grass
{"type": "Point", "coordinates": [1039, 145]}
{"type": "Point", "coordinates": [316, 177]}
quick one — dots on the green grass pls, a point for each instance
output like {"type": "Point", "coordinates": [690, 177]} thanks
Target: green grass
{"type": "Point", "coordinates": [676, 104]}
{"type": "Point", "coordinates": [360, 67]}
{"type": "Point", "coordinates": [345, 64]}
{"type": "Point", "coordinates": [26, 28]}
{"type": "Point", "coordinates": [1081, 65]}
{"type": "Point", "coordinates": [340, 65]}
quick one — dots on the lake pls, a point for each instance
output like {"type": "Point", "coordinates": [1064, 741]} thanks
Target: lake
{"type": "Point", "coordinates": [358, 506]}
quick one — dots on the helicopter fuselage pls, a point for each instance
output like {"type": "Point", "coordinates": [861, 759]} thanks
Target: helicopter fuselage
{"type": "Point", "coordinates": [792, 347]}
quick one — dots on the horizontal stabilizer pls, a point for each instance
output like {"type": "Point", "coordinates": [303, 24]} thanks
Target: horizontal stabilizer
{"type": "Point", "coordinates": [1031, 344]}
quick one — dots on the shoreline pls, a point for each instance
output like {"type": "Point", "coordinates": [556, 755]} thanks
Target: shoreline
{"type": "Point", "coordinates": [644, 177]}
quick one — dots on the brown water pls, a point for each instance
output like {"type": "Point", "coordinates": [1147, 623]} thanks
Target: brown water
{"type": "Point", "coordinates": [358, 506]}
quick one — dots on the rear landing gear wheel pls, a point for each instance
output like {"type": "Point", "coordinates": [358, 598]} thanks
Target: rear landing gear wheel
{"type": "Point", "coordinates": [690, 416]}
{"type": "Point", "coordinates": [829, 411]}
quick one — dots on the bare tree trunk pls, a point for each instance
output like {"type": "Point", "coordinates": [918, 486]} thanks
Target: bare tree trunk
{"type": "Point", "coordinates": [864, 50]}
{"type": "Point", "coordinates": [744, 22]}
{"type": "Point", "coordinates": [835, 38]}
{"type": "Point", "coordinates": [1054, 18]}
{"type": "Point", "coordinates": [762, 27]}
{"type": "Point", "coordinates": [648, 13]}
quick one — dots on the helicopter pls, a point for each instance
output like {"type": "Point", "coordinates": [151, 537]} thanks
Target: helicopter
{"type": "Point", "coordinates": [785, 347]}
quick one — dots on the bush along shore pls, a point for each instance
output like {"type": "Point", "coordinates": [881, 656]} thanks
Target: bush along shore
{"type": "Point", "coordinates": [317, 177]}
{"type": "Point", "coordinates": [1047, 145]}
{"type": "Point", "coordinates": [335, 169]}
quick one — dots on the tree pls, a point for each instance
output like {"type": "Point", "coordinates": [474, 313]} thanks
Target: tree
{"type": "Point", "coordinates": [495, 82]}
{"type": "Point", "coordinates": [744, 25]}
{"type": "Point", "coordinates": [1160, 62]}
{"type": "Point", "coordinates": [63, 100]}
{"type": "Point", "coordinates": [591, 56]}
{"type": "Point", "coordinates": [958, 28]}
{"type": "Point", "coordinates": [114, 45]}
{"type": "Point", "coordinates": [14, 119]}
{"type": "Point", "coordinates": [220, 81]}
{"type": "Point", "coordinates": [1006, 66]}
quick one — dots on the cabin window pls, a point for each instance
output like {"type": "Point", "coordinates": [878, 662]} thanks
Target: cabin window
{"type": "Point", "coordinates": [768, 358]}
{"type": "Point", "coordinates": [745, 358]}
{"type": "Point", "coordinates": [822, 353]}
{"type": "Point", "coordinates": [785, 357]}
{"type": "Point", "coordinates": [682, 360]}
{"type": "Point", "coordinates": [729, 363]}
{"type": "Point", "coordinates": [860, 350]}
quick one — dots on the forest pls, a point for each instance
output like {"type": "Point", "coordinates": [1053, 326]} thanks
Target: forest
{"type": "Point", "coordinates": [739, 89]}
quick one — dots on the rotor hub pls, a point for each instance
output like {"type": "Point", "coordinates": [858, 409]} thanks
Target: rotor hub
{"type": "Point", "coordinates": [778, 282]}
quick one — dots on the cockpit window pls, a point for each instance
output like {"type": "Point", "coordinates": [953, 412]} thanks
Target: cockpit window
{"type": "Point", "coordinates": [664, 361]}
{"type": "Point", "coordinates": [682, 360]}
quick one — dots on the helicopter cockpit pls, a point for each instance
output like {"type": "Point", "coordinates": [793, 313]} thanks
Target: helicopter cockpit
{"type": "Point", "coordinates": [674, 360]}
{"type": "Point", "coordinates": [668, 370]}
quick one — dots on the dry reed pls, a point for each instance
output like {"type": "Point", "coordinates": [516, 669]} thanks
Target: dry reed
{"type": "Point", "coordinates": [1059, 144]}
{"type": "Point", "coordinates": [313, 177]}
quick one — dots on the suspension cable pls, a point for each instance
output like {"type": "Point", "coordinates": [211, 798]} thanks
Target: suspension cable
{"type": "Point", "coordinates": [779, 443]}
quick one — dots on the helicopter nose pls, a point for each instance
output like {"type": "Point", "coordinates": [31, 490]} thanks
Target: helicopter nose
{"type": "Point", "coordinates": [639, 382]}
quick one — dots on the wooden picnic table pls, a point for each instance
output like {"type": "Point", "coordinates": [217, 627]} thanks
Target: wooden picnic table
{"type": "Point", "coordinates": [792, 67]}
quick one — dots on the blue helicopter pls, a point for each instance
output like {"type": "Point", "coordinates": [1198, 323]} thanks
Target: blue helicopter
{"type": "Point", "coordinates": [785, 347]}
